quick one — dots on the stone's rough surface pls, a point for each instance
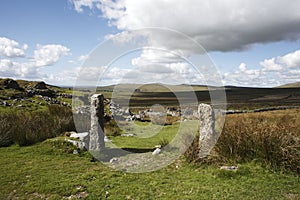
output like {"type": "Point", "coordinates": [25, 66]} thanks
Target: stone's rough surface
{"type": "Point", "coordinates": [106, 139]}
{"type": "Point", "coordinates": [156, 151]}
{"type": "Point", "coordinates": [97, 123]}
{"type": "Point", "coordinates": [11, 84]}
{"type": "Point", "coordinates": [207, 137]}
{"type": "Point", "coordinates": [41, 86]}
{"type": "Point", "coordinates": [78, 144]}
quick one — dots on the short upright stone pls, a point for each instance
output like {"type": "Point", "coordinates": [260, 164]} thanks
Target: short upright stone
{"type": "Point", "coordinates": [97, 123]}
{"type": "Point", "coordinates": [207, 129]}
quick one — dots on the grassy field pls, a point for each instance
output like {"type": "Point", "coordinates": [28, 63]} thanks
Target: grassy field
{"type": "Point", "coordinates": [50, 170]}
{"type": "Point", "coordinates": [264, 146]}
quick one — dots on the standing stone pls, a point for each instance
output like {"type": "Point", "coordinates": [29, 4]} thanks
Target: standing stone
{"type": "Point", "coordinates": [97, 123]}
{"type": "Point", "coordinates": [207, 137]}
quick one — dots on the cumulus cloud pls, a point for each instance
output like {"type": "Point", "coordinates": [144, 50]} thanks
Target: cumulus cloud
{"type": "Point", "coordinates": [216, 24]}
{"type": "Point", "coordinates": [291, 60]}
{"type": "Point", "coordinates": [28, 68]}
{"type": "Point", "coordinates": [7, 68]}
{"type": "Point", "coordinates": [11, 48]}
{"type": "Point", "coordinates": [25, 70]}
{"type": "Point", "coordinates": [287, 62]}
{"type": "Point", "coordinates": [270, 65]}
{"type": "Point", "coordinates": [242, 76]}
{"type": "Point", "coordinates": [274, 71]}
{"type": "Point", "coordinates": [47, 55]}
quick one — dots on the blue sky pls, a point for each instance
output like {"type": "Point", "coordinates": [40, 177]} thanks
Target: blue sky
{"type": "Point", "coordinates": [251, 43]}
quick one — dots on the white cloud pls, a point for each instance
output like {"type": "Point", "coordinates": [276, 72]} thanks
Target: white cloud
{"type": "Point", "coordinates": [49, 54]}
{"type": "Point", "coordinates": [243, 67]}
{"type": "Point", "coordinates": [291, 60]}
{"type": "Point", "coordinates": [243, 76]}
{"type": "Point", "coordinates": [28, 68]}
{"type": "Point", "coordinates": [79, 4]}
{"type": "Point", "coordinates": [11, 48]}
{"type": "Point", "coordinates": [270, 65]}
{"type": "Point", "coordinates": [83, 57]}
{"type": "Point", "coordinates": [156, 56]}
{"type": "Point", "coordinates": [274, 71]}
{"type": "Point", "coordinates": [216, 24]}
{"type": "Point", "coordinates": [25, 70]}
{"type": "Point", "coordinates": [286, 62]}
{"type": "Point", "coordinates": [7, 68]}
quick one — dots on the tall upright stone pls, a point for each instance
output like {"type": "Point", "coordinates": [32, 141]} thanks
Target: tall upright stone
{"type": "Point", "coordinates": [97, 123]}
{"type": "Point", "coordinates": [207, 137]}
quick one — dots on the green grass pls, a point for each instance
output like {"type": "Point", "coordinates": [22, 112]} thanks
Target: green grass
{"type": "Point", "coordinates": [149, 135]}
{"type": "Point", "coordinates": [50, 170]}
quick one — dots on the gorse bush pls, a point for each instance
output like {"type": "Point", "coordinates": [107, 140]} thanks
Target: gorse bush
{"type": "Point", "coordinates": [273, 139]}
{"type": "Point", "coordinates": [26, 128]}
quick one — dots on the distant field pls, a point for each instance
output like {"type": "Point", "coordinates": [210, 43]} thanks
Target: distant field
{"type": "Point", "coordinates": [291, 85]}
{"type": "Point", "coordinates": [237, 97]}
{"type": "Point", "coordinates": [153, 88]}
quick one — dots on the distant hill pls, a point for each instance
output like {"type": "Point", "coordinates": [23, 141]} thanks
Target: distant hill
{"type": "Point", "coordinates": [153, 87]}
{"type": "Point", "coordinates": [290, 85]}
{"type": "Point", "coordinates": [23, 84]}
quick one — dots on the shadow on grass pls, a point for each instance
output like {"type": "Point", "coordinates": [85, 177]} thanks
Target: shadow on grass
{"type": "Point", "coordinates": [105, 155]}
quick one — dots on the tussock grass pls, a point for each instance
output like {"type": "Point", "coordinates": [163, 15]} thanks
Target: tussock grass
{"type": "Point", "coordinates": [26, 128]}
{"type": "Point", "coordinates": [272, 138]}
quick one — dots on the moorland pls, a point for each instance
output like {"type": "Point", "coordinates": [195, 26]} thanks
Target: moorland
{"type": "Point", "coordinates": [38, 163]}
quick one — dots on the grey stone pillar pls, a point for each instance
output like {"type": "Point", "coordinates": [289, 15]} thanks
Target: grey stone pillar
{"type": "Point", "coordinates": [207, 137]}
{"type": "Point", "coordinates": [97, 123]}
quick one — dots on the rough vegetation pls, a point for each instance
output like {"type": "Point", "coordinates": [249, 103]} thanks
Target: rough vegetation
{"type": "Point", "coordinates": [272, 138]}
{"type": "Point", "coordinates": [26, 128]}
{"type": "Point", "coordinates": [265, 146]}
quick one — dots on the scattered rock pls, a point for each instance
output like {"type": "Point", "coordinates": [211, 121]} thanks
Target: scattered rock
{"type": "Point", "coordinates": [106, 139]}
{"type": "Point", "coordinates": [41, 86]}
{"type": "Point", "coordinates": [156, 151]}
{"type": "Point", "coordinates": [67, 96]}
{"type": "Point", "coordinates": [6, 104]}
{"type": "Point", "coordinates": [229, 168]}
{"type": "Point", "coordinates": [78, 144]}
{"type": "Point", "coordinates": [80, 136]}
{"type": "Point", "coordinates": [114, 160]}
{"type": "Point", "coordinates": [79, 195]}
{"type": "Point", "coordinates": [11, 84]}
{"type": "Point", "coordinates": [128, 135]}
{"type": "Point", "coordinates": [75, 152]}
{"type": "Point", "coordinates": [30, 93]}
{"type": "Point", "coordinates": [45, 92]}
